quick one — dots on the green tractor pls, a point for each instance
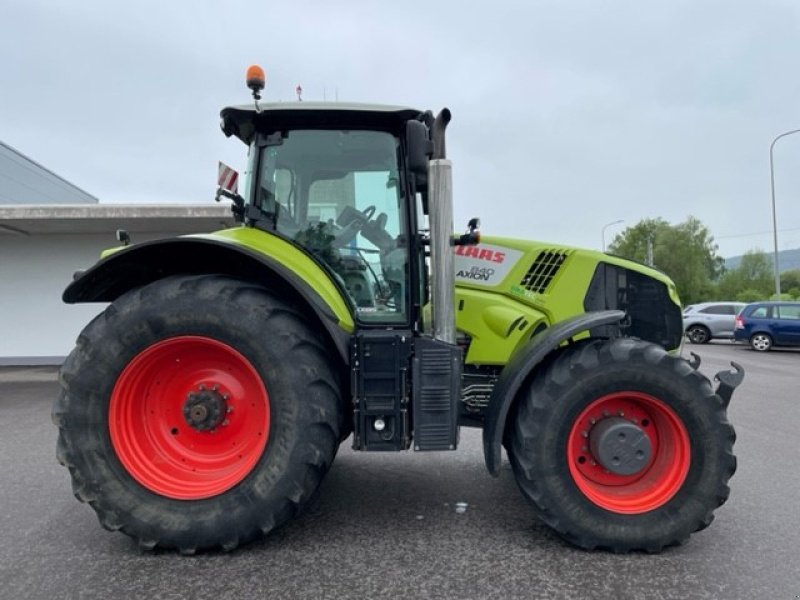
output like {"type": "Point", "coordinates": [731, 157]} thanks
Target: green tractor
{"type": "Point", "coordinates": [202, 408]}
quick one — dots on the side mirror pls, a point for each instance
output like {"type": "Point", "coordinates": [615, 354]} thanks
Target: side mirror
{"type": "Point", "coordinates": [419, 149]}
{"type": "Point", "coordinates": [473, 235]}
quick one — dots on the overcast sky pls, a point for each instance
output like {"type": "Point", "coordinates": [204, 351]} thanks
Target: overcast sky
{"type": "Point", "coordinates": [567, 115]}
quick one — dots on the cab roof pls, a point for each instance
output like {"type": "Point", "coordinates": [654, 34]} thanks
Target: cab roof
{"type": "Point", "coordinates": [243, 121]}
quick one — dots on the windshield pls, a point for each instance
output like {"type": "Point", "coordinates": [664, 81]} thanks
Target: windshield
{"type": "Point", "coordinates": [337, 194]}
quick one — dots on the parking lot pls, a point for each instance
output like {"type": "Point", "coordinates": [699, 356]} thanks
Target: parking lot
{"type": "Point", "coordinates": [386, 525]}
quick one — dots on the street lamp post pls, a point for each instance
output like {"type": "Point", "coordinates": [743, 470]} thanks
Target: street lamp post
{"type": "Point", "coordinates": [603, 231]}
{"type": "Point", "coordinates": [774, 218]}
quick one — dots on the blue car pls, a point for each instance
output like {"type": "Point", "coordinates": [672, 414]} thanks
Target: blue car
{"type": "Point", "coordinates": [767, 324]}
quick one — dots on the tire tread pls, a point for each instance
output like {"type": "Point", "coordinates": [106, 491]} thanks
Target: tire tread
{"type": "Point", "coordinates": [111, 332]}
{"type": "Point", "coordinates": [531, 421]}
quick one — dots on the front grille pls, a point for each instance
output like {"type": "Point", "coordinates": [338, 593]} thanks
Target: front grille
{"type": "Point", "coordinates": [653, 315]}
{"type": "Point", "coordinates": [543, 270]}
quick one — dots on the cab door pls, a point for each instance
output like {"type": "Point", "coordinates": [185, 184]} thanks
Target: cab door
{"type": "Point", "coordinates": [339, 195]}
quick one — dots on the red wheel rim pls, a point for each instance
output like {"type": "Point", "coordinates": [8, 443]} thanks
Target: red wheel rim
{"type": "Point", "coordinates": [658, 481]}
{"type": "Point", "coordinates": [155, 441]}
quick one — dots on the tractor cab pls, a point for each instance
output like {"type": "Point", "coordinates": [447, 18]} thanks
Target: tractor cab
{"type": "Point", "coordinates": [333, 181]}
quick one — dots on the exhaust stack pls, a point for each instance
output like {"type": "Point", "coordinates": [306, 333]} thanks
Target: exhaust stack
{"type": "Point", "coordinates": [440, 185]}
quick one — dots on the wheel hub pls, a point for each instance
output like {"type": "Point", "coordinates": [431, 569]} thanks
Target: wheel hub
{"type": "Point", "coordinates": [205, 409]}
{"type": "Point", "coordinates": [620, 446]}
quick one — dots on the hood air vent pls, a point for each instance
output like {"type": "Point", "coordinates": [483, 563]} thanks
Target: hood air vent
{"type": "Point", "coordinates": [544, 268]}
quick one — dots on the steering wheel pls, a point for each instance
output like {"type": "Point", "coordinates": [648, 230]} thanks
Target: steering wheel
{"type": "Point", "coordinates": [350, 221]}
{"type": "Point", "coordinates": [350, 214]}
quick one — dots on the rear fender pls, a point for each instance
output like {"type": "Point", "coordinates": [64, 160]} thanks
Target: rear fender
{"type": "Point", "coordinates": [138, 265]}
{"type": "Point", "coordinates": [519, 368]}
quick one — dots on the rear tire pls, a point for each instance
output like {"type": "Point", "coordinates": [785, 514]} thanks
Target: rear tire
{"type": "Point", "coordinates": [761, 342]}
{"type": "Point", "coordinates": [675, 492]}
{"type": "Point", "coordinates": [698, 334]}
{"type": "Point", "coordinates": [197, 412]}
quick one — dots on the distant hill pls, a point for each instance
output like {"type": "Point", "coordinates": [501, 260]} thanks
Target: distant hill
{"type": "Point", "coordinates": [787, 259]}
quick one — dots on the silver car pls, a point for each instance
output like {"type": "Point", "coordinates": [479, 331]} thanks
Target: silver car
{"type": "Point", "coordinates": [708, 320]}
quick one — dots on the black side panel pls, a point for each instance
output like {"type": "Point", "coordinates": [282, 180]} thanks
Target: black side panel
{"type": "Point", "coordinates": [437, 388]}
{"type": "Point", "coordinates": [380, 362]}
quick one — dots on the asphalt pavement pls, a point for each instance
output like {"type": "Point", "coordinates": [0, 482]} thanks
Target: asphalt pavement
{"type": "Point", "coordinates": [388, 525]}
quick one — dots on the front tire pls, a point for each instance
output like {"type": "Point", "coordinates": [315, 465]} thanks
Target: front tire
{"type": "Point", "coordinates": [197, 412]}
{"type": "Point", "coordinates": [584, 485]}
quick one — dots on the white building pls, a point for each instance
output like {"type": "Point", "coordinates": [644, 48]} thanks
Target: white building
{"type": "Point", "coordinates": [49, 229]}
{"type": "Point", "coordinates": [42, 246]}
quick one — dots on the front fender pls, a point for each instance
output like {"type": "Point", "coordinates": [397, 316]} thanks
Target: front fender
{"type": "Point", "coordinates": [287, 270]}
{"type": "Point", "coordinates": [521, 366]}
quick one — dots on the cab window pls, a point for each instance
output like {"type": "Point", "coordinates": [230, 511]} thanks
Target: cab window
{"type": "Point", "coordinates": [337, 193]}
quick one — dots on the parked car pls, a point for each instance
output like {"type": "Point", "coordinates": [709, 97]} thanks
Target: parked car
{"type": "Point", "coordinates": [708, 320]}
{"type": "Point", "coordinates": [768, 324]}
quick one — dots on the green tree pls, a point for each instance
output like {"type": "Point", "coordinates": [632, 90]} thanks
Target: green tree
{"type": "Point", "coordinates": [790, 280]}
{"type": "Point", "coordinates": [686, 252]}
{"type": "Point", "coordinates": [753, 275]}
{"type": "Point", "coordinates": [748, 296]}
